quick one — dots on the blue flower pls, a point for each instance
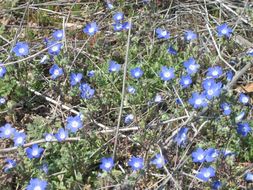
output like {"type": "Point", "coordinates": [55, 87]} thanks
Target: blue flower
{"type": "Point", "coordinates": [49, 137]}
{"type": "Point", "coordinates": [75, 78]}
{"type": "Point", "coordinates": [131, 90]}
{"type": "Point", "coordinates": [91, 29]}
{"type": "Point", "coordinates": [61, 135]}
{"type": "Point", "coordinates": [2, 101]}
{"type": "Point", "coordinates": [226, 108]}
{"type": "Point", "coordinates": [191, 66]}
{"type": "Point", "coordinates": [162, 34]}
{"type": "Point", "coordinates": [129, 119]}
{"type": "Point", "coordinates": [198, 155]}
{"type": "Point", "coordinates": [249, 177]}
{"type": "Point", "coordinates": [74, 123]}
{"type": "Point", "coordinates": [54, 48]}
{"type": "Point", "coordinates": [91, 73]}
{"type": "Point", "coordinates": [86, 91]}
{"type": "Point", "coordinates": [227, 153]}
{"type": "Point", "coordinates": [2, 71]}
{"type": "Point", "coordinates": [21, 49]}
{"type": "Point", "coordinates": [216, 185]}
{"type": "Point", "coordinates": [37, 184]}
{"type": "Point", "coordinates": [206, 173]}
{"type": "Point", "coordinates": [181, 136]}
{"type": "Point", "coordinates": [213, 91]}
{"type": "Point", "coordinates": [185, 81]}
{"type": "Point", "coordinates": [6, 131]}
{"type": "Point", "coordinates": [113, 66]}
{"type": "Point", "coordinates": [159, 161]}
{"type": "Point", "coordinates": [19, 138]}
{"type": "Point", "coordinates": [190, 35]}
{"type": "Point", "coordinates": [211, 154]}
{"type": "Point", "coordinates": [214, 72]}
{"type": "Point", "coordinates": [126, 26]}
{"type": "Point", "coordinates": [136, 72]}
{"type": "Point", "coordinates": [243, 129]}
{"type": "Point", "coordinates": [207, 83]}
{"type": "Point", "coordinates": [106, 164]}
{"type": "Point", "coordinates": [136, 163]}
{"type": "Point", "coordinates": [167, 73]}
{"type": "Point", "coordinates": [117, 17]}
{"type": "Point", "coordinates": [34, 152]}
{"type": "Point", "coordinates": [198, 100]}
{"type": "Point", "coordinates": [10, 163]}
{"type": "Point", "coordinates": [243, 99]}
{"type": "Point", "coordinates": [58, 34]}
{"type": "Point", "coordinates": [172, 51]}
{"type": "Point", "coordinates": [55, 71]}
{"type": "Point", "coordinates": [224, 30]}
{"type": "Point", "coordinates": [117, 27]}
{"type": "Point", "coordinates": [230, 75]}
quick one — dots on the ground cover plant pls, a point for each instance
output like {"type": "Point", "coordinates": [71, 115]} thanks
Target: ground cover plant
{"type": "Point", "coordinates": [126, 95]}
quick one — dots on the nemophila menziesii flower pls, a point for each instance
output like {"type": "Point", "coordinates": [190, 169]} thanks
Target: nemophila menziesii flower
{"type": "Point", "coordinates": [191, 66]}
{"type": "Point", "coordinates": [48, 137]}
{"type": "Point", "coordinates": [214, 72]}
{"type": "Point", "coordinates": [243, 129]}
{"type": "Point", "coordinates": [58, 34]}
{"type": "Point", "coordinates": [2, 101]}
{"type": "Point", "coordinates": [198, 156]}
{"type": "Point", "coordinates": [136, 72]}
{"type": "Point", "coordinates": [113, 66]}
{"type": "Point", "coordinates": [55, 71]}
{"type": "Point", "coordinates": [213, 91]}
{"type": "Point", "coordinates": [117, 17]}
{"type": "Point", "coordinates": [190, 35]}
{"type": "Point", "coordinates": [75, 78]}
{"type": "Point", "coordinates": [206, 173]}
{"type": "Point", "coordinates": [244, 99]}
{"type": "Point", "coordinates": [74, 123]}
{"type": "Point", "coordinates": [131, 90]}
{"type": "Point", "coordinates": [162, 34]}
{"type": "Point", "coordinates": [117, 27]}
{"type": "Point", "coordinates": [54, 48]}
{"type": "Point", "coordinates": [181, 136]}
{"type": "Point", "coordinates": [227, 153]}
{"type": "Point", "coordinates": [91, 29]}
{"type": "Point", "coordinates": [159, 161]}
{"type": "Point", "coordinates": [36, 184]}
{"type": "Point", "coordinates": [172, 51]}
{"type": "Point", "coordinates": [167, 73]}
{"type": "Point", "coordinates": [224, 30]}
{"type": "Point", "coordinates": [226, 108]}
{"type": "Point", "coordinates": [19, 138]}
{"type": "Point", "coordinates": [61, 135]}
{"type": "Point", "coordinates": [211, 154]}
{"type": "Point", "coordinates": [129, 119]}
{"type": "Point", "coordinates": [126, 25]}
{"type": "Point", "coordinates": [86, 91]}
{"type": "Point", "coordinates": [6, 131]}
{"type": "Point", "coordinates": [2, 71]}
{"type": "Point", "coordinates": [136, 163]}
{"type": "Point", "coordinates": [207, 83]}
{"type": "Point", "coordinates": [21, 49]}
{"type": "Point", "coordinates": [106, 164]}
{"type": "Point", "coordinates": [249, 177]}
{"type": "Point", "coordinates": [185, 81]}
{"type": "Point", "coordinates": [91, 73]}
{"type": "Point", "coordinates": [198, 100]}
{"type": "Point", "coordinates": [9, 164]}
{"type": "Point", "coordinates": [229, 75]}
{"type": "Point", "coordinates": [216, 185]}
{"type": "Point", "coordinates": [34, 152]}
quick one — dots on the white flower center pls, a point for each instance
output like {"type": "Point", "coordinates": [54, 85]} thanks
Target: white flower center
{"type": "Point", "coordinates": [55, 48]}
{"type": "Point", "coordinates": [207, 174]}
{"type": "Point", "coordinates": [21, 50]}
{"type": "Point", "coordinates": [91, 29]}
{"type": "Point", "coordinates": [186, 81]}
{"type": "Point", "coordinates": [35, 152]}
{"type": "Point", "coordinates": [198, 101]}
{"type": "Point", "coordinates": [48, 137]}
{"type": "Point", "coordinates": [167, 74]}
{"type": "Point", "coordinates": [62, 135]}
{"type": "Point", "coordinates": [215, 73]}
{"type": "Point", "coordinates": [136, 164]}
{"type": "Point", "coordinates": [224, 31]}
{"type": "Point", "coordinates": [192, 67]}
{"type": "Point", "coordinates": [226, 108]}
{"type": "Point", "coordinates": [159, 161]}
{"type": "Point", "coordinates": [19, 140]}
{"type": "Point", "coordinates": [7, 131]}
{"type": "Point", "coordinates": [74, 124]}
{"type": "Point", "coordinates": [1, 69]}
{"type": "Point", "coordinates": [210, 92]}
{"type": "Point", "coordinates": [245, 99]}
{"type": "Point", "coordinates": [200, 157]}
{"type": "Point", "coordinates": [37, 187]}
{"type": "Point", "coordinates": [137, 74]}
{"type": "Point", "coordinates": [164, 33]}
{"type": "Point", "coordinates": [56, 72]}
{"type": "Point", "coordinates": [108, 165]}
{"type": "Point", "coordinates": [59, 35]}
